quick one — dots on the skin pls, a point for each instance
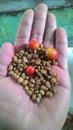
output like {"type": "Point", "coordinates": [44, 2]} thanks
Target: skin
{"type": "Point", "coordinates": [17, 111]}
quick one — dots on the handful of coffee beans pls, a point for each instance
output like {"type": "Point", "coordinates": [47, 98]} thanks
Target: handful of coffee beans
{"type": "Point", "coordinates": [32, 69]}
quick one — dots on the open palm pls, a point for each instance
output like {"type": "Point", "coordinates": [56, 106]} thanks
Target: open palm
{"type": "Point", "coordinates": [17, 111]}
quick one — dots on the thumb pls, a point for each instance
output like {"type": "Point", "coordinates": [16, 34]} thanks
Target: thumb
{"type": "Point", "coordinates": [6, 54]}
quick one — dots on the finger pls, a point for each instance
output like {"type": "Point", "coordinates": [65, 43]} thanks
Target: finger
{"type": "Point", "coordinates": [62, 47]}
{"type": "Point", "coordinates": [24, 30]}
{"type": "Point", "coordinates": [39, 23]}
{"type": "Point", "coordinates": [50, 30]}
{"type": "Point", "coordinates": [6, 54]}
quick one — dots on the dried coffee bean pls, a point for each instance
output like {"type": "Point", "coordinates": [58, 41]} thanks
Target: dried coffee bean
{"type": "Point", "coordinates": [39, 68]}
{"type": "Point", "coordinates": [19, 61]}
{"type": "Point", "coordinates": [42, 92]}
{"type": "Point", "coordinates": [39, 95]}
{"type": "Point", "coordinates": [43, 87]}
{"type": "Point", "coordinates": [49, 94]}
{"type": "Point", "coordinates": [20, 69]}
{"type": "Point", "coordinates": [15, 58]}
{"type": "Point", "coordinates": [47, 83]}
{"type": "Point", "coordinates": [20, 80]}
{"type": "Point", "coordinates": [39, 74]}
{"type": "Point", "coordinates": [47, 64]}
{"type": "Point", "coordinates": [48, 69]}
{"type": "Point", "coordinates": [33, 97]}
{"type": "Point", "coordinates": [37, 87]}
{"type": "Point", "coordinates": [16, 71]}
{"type": "Point", "coordinates": [26, 88]}
{"type": "Point", "coordinates": [44, 63]}
{"type": "Point", "coordinates": [25, 82]}
{"type": "Point", "coordinates": [35, 51]}
{"type": "Point", "coordinates": [25, 59]}
{"type": "Point", "coordinates": [22, 52]}
{"type": "Point", "coordinates": [10, 73]}
{"type": "Point", "coordinates": [37, 82]}
{"type": "Point", "coordinates": [53, 80]}
{"type": "Point", "coordinates": [43, 71]}
{"type": "Point", "coordinates": [32, 81]}
{"type": "Point", "coordinates": [10, 68]}
{"type": "Point", "coordinates": [35, 56]}
{"type": "Point", "coordinates": [14, 64]}
{"type": "Point", "coordinates": [31, 85]}
{"type": "Point", "coordinates": [29, 56]}
{"type": "Point", "coordinates": [37, 99]}
{"type": "Point", "coordinates": [29, 92]}
{"type": "Point", "coordinates": [38, 61]}
{"type": "Point", "coordinates": [26, 53]}
{"type": "Point", "coordinates": [15, 76]}
{"type": "Point", "coordinates": [14, 68]}
{"type": "Point", "coordinates": [32, 89]}
{"type": "Point", "coordinates": [52, 72]}
{"type": "Point", "coordinates": [36, 91]}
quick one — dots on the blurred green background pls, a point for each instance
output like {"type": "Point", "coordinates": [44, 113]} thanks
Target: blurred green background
{"type": "Point", "coordinates": [9, 24]}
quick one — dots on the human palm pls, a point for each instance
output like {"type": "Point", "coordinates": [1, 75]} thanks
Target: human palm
{"type": "Point", "coordinates": [17, 111]}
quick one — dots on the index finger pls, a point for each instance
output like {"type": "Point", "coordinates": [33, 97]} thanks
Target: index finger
{"type": "Point", "coordinates": [24, 29]}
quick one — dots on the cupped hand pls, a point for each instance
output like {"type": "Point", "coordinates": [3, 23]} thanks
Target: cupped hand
{"type": "Point", "coordinates": [17, 111]}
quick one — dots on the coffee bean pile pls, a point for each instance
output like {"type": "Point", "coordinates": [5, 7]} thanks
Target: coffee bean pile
{"type": "Point", "coordinates": [42, 83]}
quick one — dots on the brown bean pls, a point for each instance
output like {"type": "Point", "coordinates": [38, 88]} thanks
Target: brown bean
{"type": "Point", "coordinates": [15, 58]}
{"type": "Point", "coordinates": [37, 99]}
{"type": "Point", "coordinates": [53, 80]}
{"type": "Point", "coordinates": [15, 76]}
{"type": "Point", "coordinates": [10, 68]}
{"type": "Point", "coordinates": [29, 92]}
{"type": "Point", "coordinates": [43, 87]}
{"type": "Point", "coordinates": [52, 72]}
{"type": "Point", "coordinates": [49, 94]}
{"type": "Point", "coordinates": [25, 82]}
{"type": "Point", "coordinates": [32, 81]}
{"type": "Point", "coordinates": [37, 82]}
{"type": "Point", "coordinates": [29, 56]}
{"type": "Point", "coordinates": [43, 71]}
{"type": "Point", "coordinates": [33, 97]}
{"type": "Point", "coordinates": [22, 52]}
{"type": "Point", "coordinates": [42, 92]}
{"type": "Point", "coordinates": [20, 80]}
{"type": "Point", "coordinates": [25, 59]}
{"type": "Point", "coordinates": [26, 88]}
{"type": "Point", "coordinates": [38, 61]}
{"type": "Point", "coordinates": [47, 83]}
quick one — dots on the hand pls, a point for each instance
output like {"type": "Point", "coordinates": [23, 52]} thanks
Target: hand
{"type": "Point", "coordinates": [17, 111]}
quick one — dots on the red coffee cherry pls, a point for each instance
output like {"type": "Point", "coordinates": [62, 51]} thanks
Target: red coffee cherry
{"type": "Point", "coordinates": [33, 45]}
{"type": "Point", "coordinates": [52, 53]}
{"type": "Point", "coordinates": [30, 70]}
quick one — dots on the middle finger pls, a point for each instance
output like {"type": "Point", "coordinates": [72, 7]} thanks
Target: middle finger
{"type": "Point", "coordinates": [39, 23]}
